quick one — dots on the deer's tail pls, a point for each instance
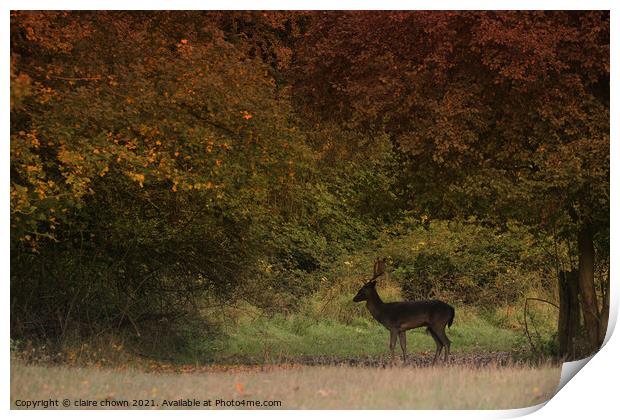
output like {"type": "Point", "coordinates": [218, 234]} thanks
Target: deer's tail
{"type": "Point", "coordinates": [451, 317]}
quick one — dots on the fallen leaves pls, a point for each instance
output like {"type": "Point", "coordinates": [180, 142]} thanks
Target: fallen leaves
{"type": "Point", "coordinates": [239, 388]}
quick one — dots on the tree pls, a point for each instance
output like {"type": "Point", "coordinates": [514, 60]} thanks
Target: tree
{"type": "Point", "coordinates": [502, 115]}
{"type": "Point", "coordinates": [154, 161]}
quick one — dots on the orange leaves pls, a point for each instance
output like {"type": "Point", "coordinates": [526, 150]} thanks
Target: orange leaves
{"type": "Point", "coordinates": [139, 178]}
{"type": "Point", "coordinates": [246, 115]}
{"type": "Point", "coordinates": [239, 388]}
{"type": "Point", "coordinates": [32, 168]}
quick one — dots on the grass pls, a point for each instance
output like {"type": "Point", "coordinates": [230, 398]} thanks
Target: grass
{"type": "Point", "coordinates": [329, 323]}
{"type": "Point", "coordinates": [243, 359]}
{"type": "Point", "coordinates": [335, 330]}
{"type": "Point", "coordinates": [335, 387]}
{"type": "Point", "coordinates": [282, 336]}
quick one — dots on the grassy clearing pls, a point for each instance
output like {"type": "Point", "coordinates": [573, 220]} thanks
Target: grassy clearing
{"type": "Point", "coordinates": [326, 324]}
{"type": "Point", "coordinates": [329, 323]}
{"type": "Point", "coordinates": [271, 339]}
{"type": "Point", "coordinates": [442, 387]}
{"type": "Point", "coordinates": [299, 338]}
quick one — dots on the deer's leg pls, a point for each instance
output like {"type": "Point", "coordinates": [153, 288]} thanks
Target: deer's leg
{"type": "Point", "coordinates": [393, 334]}
{"type": "Point", "coordinates": [441, 333]}
{"type": "Point", "coordinates": [402, 336]}
{"type": "Point", "coordinates": [438, 343]}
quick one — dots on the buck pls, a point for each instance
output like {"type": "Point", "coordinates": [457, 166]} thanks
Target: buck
{"type": "Point", "coordinates": [398, 317]}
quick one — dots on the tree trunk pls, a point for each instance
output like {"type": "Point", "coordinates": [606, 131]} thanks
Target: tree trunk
{"type": "Point", "coordinates": [587, 290]}
{"type": "Point", "coordinates": [604, 318]}
{"type": "Point", "coordinates": [568, 323]}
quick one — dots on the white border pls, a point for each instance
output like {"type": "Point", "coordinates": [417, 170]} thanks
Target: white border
{"type": "Point", "coordinates": [310, 5]}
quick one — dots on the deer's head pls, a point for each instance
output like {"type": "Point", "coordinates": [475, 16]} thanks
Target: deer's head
{"type": "Point", "coordinates": [364, 292]}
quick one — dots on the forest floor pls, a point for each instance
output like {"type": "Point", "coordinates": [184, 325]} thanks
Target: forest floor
{"type": "Point", "coordinates": [467, 382]}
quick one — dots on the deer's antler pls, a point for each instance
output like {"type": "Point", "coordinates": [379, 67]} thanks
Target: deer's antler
{"type": "Point", "coordinates": [374, 277]}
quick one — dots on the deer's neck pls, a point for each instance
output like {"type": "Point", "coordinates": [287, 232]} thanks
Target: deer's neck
{"type": "Point", "coordinates": [374, 304]}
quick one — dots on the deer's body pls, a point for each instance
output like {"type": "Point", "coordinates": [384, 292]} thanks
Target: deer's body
{"type": "Point", "coordinates": [398, 317]}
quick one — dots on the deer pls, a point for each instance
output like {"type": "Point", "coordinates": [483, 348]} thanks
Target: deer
{"type": "Point", "coordinates": [398, 317]}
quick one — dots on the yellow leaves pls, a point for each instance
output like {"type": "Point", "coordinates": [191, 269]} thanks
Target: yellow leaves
{"type": "Point", "coordinates": [139, 178]}
{"type": "Point", "coordinates": [203, 185]}
{"type": "Point", "coordinates": [32, 137]}
{"type": "Point", "coordinates": [104, 171]}
{"type": "Point", "coordinates": [218, 162]}
{"type": "Point", "coordinates": [147, 131]}
{"type": "Point", "coordinates": [70, 157]}
{"type": "Point", "coordinates": [246, 115]}
{"type": "Point", "coordinates": [188, 186]}
{"type": "Point", "coordinates": [30, 140]}
{"type": "Point", "coordinates": [40, 191]}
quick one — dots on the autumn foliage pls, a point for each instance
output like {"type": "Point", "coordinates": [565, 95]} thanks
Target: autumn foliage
{"type": "Point", "coordinates": [161, 157]}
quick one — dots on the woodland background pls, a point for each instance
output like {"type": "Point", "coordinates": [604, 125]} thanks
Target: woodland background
{"type": "Point", "coordinates": [208, 186]}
